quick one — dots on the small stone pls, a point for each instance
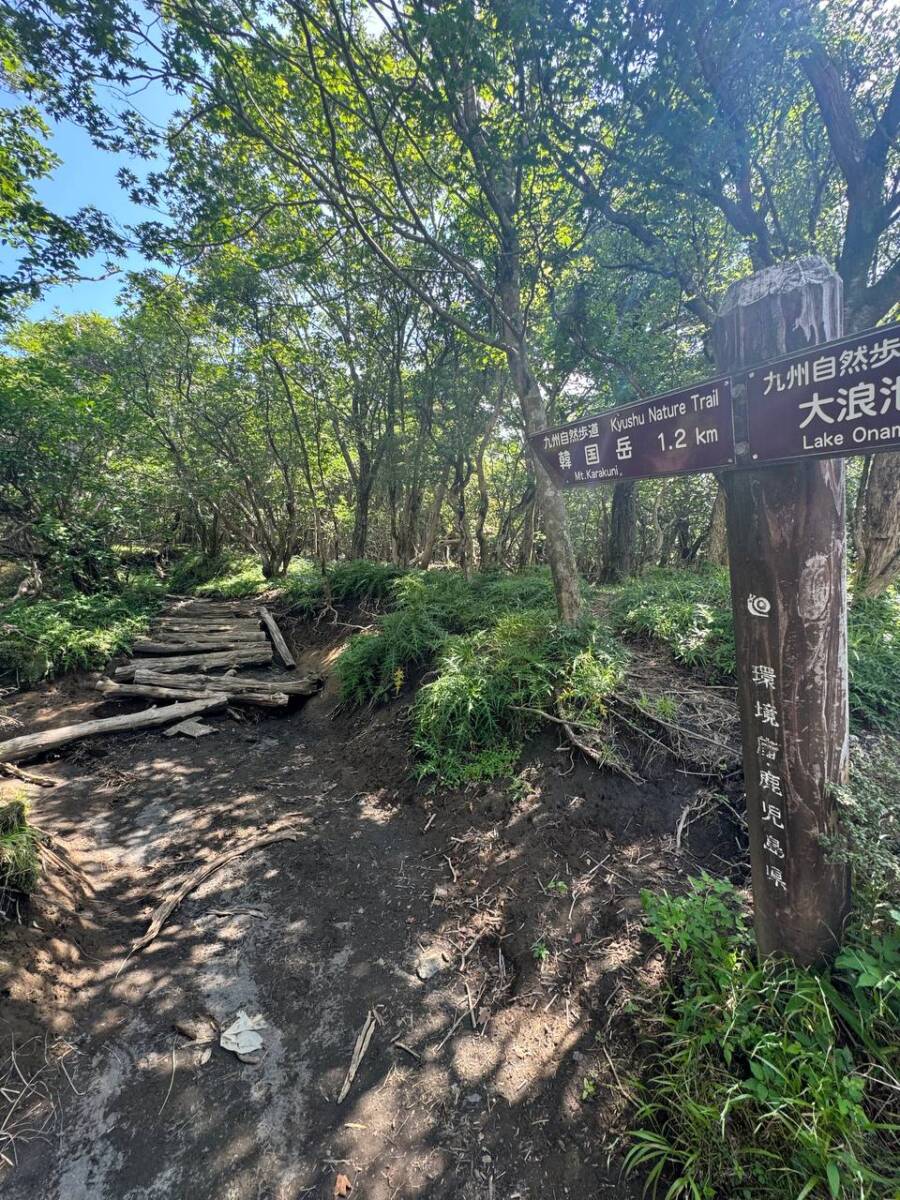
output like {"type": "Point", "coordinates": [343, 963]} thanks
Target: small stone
{"type": "Point", "coordinates": [473, 1098]}
{"type": "Point", "coordinates": [430, 963]}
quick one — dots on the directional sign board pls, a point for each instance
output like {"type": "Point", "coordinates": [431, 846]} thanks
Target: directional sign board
{"type": "Point", "coordinates": [684, 431]}
{"type": "Point", "coordinates": [835, 399]}
{"type": "Point", "coordinates": [832, 400]}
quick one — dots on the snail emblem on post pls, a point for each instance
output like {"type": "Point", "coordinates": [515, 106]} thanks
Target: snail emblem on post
{"type": "Point", "coordinates": [758, 606]}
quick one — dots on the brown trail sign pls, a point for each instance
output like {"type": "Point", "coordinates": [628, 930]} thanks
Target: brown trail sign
{"type": "Point", "coordinates": [684, 431]}
{"type": "Point", "coordinates": [815, 399]}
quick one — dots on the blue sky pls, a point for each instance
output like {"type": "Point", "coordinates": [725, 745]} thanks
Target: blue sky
{"type": "Point", "coordinates": [85, 176]}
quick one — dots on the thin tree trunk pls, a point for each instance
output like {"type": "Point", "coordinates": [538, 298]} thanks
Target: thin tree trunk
{"type": "Point", "coordinates": [560, 553]}
{"type": "Point", "coordinates": [718, 533]}
{"type": "Point", "coordinates": [620, 559]}
{"type": "Point", "coordinates": [433, 522]}
{"type": "Point", "coordinates": [878, 526]}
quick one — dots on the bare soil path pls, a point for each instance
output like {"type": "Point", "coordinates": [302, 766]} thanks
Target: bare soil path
{"type": "Point", "coordinates": [523, 901]}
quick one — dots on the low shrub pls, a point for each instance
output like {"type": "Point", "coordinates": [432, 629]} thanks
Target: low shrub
{"type": "Point", "coordinates": [470, 722]}
{"type": "Point", "coordinates": [238, 576]}
{"type": "Point", "coordinates": [868, 837]}
{"type": "Point", "coordinates": [47, 636]}
{"type": "Point", "coordinates": [375, 666]}
{"type": "Point", "coordinates": [363, 582]}
{"type": "Point", "coordinates": [19, 859]}
{"type": "Point", "coordinates": [498, 650]}
{"type": "Point", "coordinates": [874, 654]}
{"type": "Point", "coordinates": [767, 1081]}
{"type": "Point", "coordinates": [690, 613]}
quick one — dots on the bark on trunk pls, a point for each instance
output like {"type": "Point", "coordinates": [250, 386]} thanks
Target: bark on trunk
{"type": "Point", "coordinates": [878, 526]}
{"type": "Point", "coordinates": [718, 533]}
{"type": "Point", "coordinates": [433, 523]}
{"type": "Point", "coordinates": [560, 554]}
{"type": "Point", "coordinates": [620, 558]}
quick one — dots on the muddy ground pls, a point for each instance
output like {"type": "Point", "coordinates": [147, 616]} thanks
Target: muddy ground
{"type": "Point", "coordinates": [524, 900]}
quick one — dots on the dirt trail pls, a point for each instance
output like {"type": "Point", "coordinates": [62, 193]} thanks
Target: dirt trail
{"type": "Point", "coordinates": [532, 890]}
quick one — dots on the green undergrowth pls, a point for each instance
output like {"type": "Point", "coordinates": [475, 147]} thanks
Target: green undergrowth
{"type": "Point", "coordinates": [234, 577]}
{"type": "Point", "coordinates": [767, 1081]}
{"type": "Point", "coordinates": [19, 859]}
{"type": "Point", "coordinates": [52, 635]}
{"type": "Point", "coordinates": [301, 588]}
{"type": "Point", "coordinates": [690, 613]}
{"type": "Point", "coordinates": [499, 659]}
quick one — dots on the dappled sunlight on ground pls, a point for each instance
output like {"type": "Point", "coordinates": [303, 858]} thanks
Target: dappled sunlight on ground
{"type": "Point", "coordinates": [472, 1084]}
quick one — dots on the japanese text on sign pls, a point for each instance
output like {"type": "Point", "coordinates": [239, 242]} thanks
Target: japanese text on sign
{"type": "Point", "coordinates": [687, 430]}
{"type": "Point", "coordinates": [832, 400]}
{"type": "Point", "coordinates": [768, 757]}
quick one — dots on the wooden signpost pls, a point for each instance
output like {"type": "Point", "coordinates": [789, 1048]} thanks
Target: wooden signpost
{"type": "Point", "coordinates": [793, 399]}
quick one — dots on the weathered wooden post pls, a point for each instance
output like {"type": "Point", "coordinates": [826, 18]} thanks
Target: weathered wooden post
{"type": "Point", "coordinates": [787, 548]}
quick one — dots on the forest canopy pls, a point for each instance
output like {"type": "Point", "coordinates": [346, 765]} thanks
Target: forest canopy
{"type": "Point", "coordinates": [393, 239]}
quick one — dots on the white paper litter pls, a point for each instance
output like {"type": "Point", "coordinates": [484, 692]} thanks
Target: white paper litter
{"type": "Point", "coordinates": [242, 1036]}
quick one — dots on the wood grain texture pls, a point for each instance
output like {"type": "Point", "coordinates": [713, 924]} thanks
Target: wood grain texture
{"type": "Point", "coordinates": [787, 546]}
{"type": "Point", "coordinates": [281, 647]}
{"type": "Point", "coordinates": [32, 744]}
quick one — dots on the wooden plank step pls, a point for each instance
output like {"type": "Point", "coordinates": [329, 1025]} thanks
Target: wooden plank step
{"type": "Point", "coordinates": [281, 646]}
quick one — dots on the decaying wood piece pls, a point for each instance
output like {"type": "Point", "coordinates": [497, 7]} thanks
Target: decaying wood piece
{"type": "Point", "coordinates": [359, 1050]}
{"type": "Point", "coordinates": [201, 874]}
{"type": "Point", "coordinates": [787, 549]}
{"type": "Point", "coordinates": [204, 608]}
{"type": "Point", "coordinates": [128, 691]}
{"type": "Point", "coordinates": [307, 685]}
{"type": "Point", "coordinates": [281, 646]}
{"type": "Point", "coordinates": [202, 662]}
{"type": "Point", "coordinates": [7, 768]}
{"type": "Point", "coordinates": [31, 744]}
{"type": "Point", "coordinates": [195, 645]}
{"type": "Point", "coordinates": [190, 728]}
{"type": "Point", "coordinates": [223, 625]}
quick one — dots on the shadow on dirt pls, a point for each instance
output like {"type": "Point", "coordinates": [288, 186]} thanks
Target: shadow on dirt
{"type": "Point", "coordinates": [523, 901]}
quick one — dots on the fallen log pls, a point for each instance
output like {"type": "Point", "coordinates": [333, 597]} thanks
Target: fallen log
{"type": "Point", "coordinates": [202, 608]}
{"type": "Point", "coordinates": [196, 645]}
{"type": "Point", "coordinates": [235, 685]}
{"type": "Point", "coordinates": [31, 744]}
{"type": "Point", "coordinates": [128, 691]}
{"type": "Point", "coordinates": [202, 662]}
{"type": "Point", "coordinates": [206, 627]}
{"type": "Point", "coordinates": [281, 646]}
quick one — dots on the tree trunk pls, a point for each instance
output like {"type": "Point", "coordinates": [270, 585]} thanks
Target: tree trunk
{"type": "Point", "coordinates": [717, 552]}
{"type": "Point", "coordinates": [560, 553]}
{"type": "Point", "coordinates": [526, 546]}
{"type": "Point", "coordinates": [433, 522]}
{"type": "Point", "coordinates": [360, 538]}
{"type": "Point", "coordinates": [623, 524]}
{"type": "Point", "coordinates": [878, 526]}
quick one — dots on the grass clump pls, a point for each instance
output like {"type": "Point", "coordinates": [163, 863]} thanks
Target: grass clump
{"type": "Point", "coordinates": [48, 636]}
{"type": "Point", "coordinates": [363, 582]}
{"type": "Point", "coordinates": [470, 722]}
{"type": "Point", "coordinates": [375, 666]}
{"type": "Point", "coordinates": [768, 1081]}
{"type": "Point", "coordinates": [498, 650]}
{"type": "Point", "coordinates": [19, 859]}
{"type": "Point", "coordinates": [868, 837]}
{"type": "Point", "coordinates": [688, 611]}
{"type": "Point", "coordinates": [873, 637]}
